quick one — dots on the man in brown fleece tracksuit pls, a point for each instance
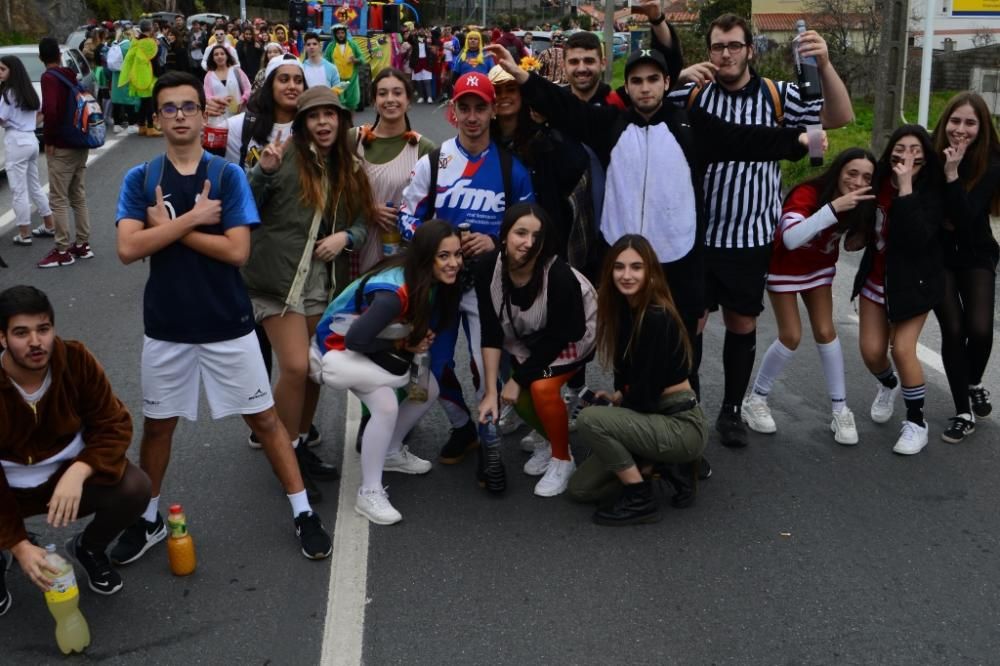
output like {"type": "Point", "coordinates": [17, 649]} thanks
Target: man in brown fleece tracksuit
{"type": "Point", "coordinates": [63, 440]}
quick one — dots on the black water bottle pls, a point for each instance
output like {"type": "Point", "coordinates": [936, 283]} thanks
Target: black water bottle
{"type": "Point", "coordinates": [810, 87]}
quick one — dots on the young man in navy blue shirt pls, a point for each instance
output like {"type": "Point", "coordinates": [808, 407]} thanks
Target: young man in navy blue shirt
{"type": "Point", "coordinates": [199, 325]}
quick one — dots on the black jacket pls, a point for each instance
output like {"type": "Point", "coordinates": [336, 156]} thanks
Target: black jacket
{"type": "Point", "coordinates": [970, 242]}
{"type": "Point", "coordinates": [703, 139]}
{"type": "Point", "coordinates": [913, 266]}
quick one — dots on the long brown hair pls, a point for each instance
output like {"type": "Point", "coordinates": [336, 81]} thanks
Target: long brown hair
{"type": "Point", "coordinates": [418, 274]}
{"type": "Point", "coordinates": [654, 294]}
{"type": "Point", "coordinates": [340, 171]}
{"type": "Point", "coordinates": [980, 152]}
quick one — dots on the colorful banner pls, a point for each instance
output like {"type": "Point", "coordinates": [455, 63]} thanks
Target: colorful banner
{"type": "Point", "coordinates": [975, 8]}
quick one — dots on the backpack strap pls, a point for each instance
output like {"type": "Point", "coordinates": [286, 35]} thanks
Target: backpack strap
{"type": "Point", "coordinates": [435, 158]}
{"type": "Point", "coordinates": [693, 95]}
{"type": "Point", "coordinates": [360, 293]}
{"type": "Point", "coordinates": [779, 110]}
{"type": "Point", "coordinates": [249, 122]}
{"type": "Point", "coordinates": [152, 177]}
{"type": "Point", "coordinates": [216, 165]}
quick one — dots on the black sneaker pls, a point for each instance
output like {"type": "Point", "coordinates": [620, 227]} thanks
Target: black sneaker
{"type": "Point", "coordinates": [137, 539]}
{"type": "Point", "coordinates": [704, 469]}
{"type": "Point", "coordinates": [310, 464]}
{"type": "Point", "coordinates": [101, 575]}
{"type": "Point", "coordinates": [313, 438]}
{"type": "Point", "coordinates": [732, 430]}
{"type": "Point", "coordinates": [959, 429]}
{"type": "Point", "coordinates": [316, 543]}
{"type": "Point", "coordinates": [5, 599]}
{"type": "Point", "coordinates": [980, 399]}
{"type": "Point", "coordinates": [461, 441]}
{"type": "Point", "coordinates": [361, 431]}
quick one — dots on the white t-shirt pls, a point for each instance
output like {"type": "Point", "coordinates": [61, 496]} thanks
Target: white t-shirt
{"type": "Point", "coordinates": [14, 118]}
{"type": "Point", "coordinates": [235, 139]}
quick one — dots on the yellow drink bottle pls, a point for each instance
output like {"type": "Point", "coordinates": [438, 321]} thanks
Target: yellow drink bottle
{"type": "Point", "coordinates": [63, 600]}
{"type": "Point", "coordinates": [180, 545]}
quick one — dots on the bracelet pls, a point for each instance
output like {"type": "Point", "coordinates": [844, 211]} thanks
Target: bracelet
{"type": "Point", "coordinates": [658, 21]}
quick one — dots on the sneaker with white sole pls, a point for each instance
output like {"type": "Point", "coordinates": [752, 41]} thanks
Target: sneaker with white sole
{"type": "Point", "coordinates": [42, 231]}
{"type": "Point", "coordinates": [314, 540]}
{"type": "Point", "coordinates": [137, 539]}
{"type": "Point", "coordinates": [960, 427]}
{"type": "Point", "coordinates": [117, 129]}
{"type": "Point", "coordinates": [132, 129]}
{"type": "Point", "coordinates": [538, 463]}
{"type": "Point", "coordinates": [22, 240]}
{"type": "Point", "coordinates": [912, 439]}
{"type": "Point", "coordinates": [844, 430]}
{"type": "Point", "coordinates": [980, 399]}
{"type": "Point", "coordinates": [532, 441]}
{"type": "Point", "coordinates": [556, 478]}
{"type": "Point", "coordinates": [101, 576]}
{"type": "Point", "coordinates": [374, 505]}
{"type": "Point", "coordinates": [757, 414]}
{"type": "Point", "coordinates": [405, 462]}
{"type": "Point", "coordinates": [884, 403]}
{"type": "Point", "coordinates": [509, 420]}
{"type": "Point", "coordinates": [573, 408]}
{"type": "Point", "coordinates": [56, 258]}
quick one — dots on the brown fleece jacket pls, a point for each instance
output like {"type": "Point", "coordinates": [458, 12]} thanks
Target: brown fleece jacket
{"type": "Point", "coordinates": [79, 399]}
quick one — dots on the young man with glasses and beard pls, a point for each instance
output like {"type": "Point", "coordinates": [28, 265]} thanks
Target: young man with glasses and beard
{"type": "Point", "coordinates": [191, 213]}
{"type": "Point", "coordinates": [743, 199]}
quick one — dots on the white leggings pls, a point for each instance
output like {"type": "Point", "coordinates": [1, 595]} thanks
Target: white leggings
{"type": "Point", "coordinates": [22, 174]}
{"type": "Point", "coordinates": [391, 421]}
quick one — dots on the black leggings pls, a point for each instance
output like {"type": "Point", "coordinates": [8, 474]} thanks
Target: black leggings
{"type": "Point", "coordinates": [966, 319]}
{"type": "Point", "coordinates": [146, 111]}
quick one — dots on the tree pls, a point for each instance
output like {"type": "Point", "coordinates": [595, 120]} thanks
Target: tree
{"type": "Point", "coordinates": [713, 9]}
{"type": "Point", "coordinates": [983, 36]}
{"type": "Point", "coordinates": [851, 29]}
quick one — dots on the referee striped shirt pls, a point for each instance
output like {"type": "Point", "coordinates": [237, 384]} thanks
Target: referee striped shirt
{"type": "Point", "coordinates": [743, 199]}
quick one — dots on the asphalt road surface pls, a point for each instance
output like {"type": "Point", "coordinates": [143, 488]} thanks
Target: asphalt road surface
{"type": "Point", "coordinates": [797, 551]}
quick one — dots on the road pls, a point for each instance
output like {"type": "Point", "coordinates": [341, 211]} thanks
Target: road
{"type": "Point", "coordinates": [797, 551]}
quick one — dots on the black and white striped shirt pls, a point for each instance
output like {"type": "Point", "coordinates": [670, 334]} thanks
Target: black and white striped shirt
{"type": "Point", "coordinates": [743, 199]}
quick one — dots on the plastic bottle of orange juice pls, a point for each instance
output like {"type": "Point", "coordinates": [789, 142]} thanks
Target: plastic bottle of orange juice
{"type": "Point", "coordinates": [180, 545]}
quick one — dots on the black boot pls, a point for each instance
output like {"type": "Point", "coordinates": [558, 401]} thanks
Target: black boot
{"type": "Point", "coordinates": [636, 506]}
{"type": "Point", "coordinates": [312, 465]}
{"type": "Point", "coordinates": [459, 443]}
{"type": "Point", "coordinates": [684, 478]}
{"type": "Point", "coordinates": [313, 493]}
{"type": "Point", "coordinates": [490, 471]}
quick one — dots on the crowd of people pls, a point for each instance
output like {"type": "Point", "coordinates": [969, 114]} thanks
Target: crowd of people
{"type": "Point", "coordinates": [563, 226]}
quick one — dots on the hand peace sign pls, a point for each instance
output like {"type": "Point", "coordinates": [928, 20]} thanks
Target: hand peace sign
{"type": "Point", "coordinates": [270, 157]}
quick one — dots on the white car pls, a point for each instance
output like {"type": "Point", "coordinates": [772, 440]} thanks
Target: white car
{"type": "Point", "coordinates": [28, 54]}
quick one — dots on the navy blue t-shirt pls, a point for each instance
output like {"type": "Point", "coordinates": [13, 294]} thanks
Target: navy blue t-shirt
{"type": "Point", "coordinates": [192, 298]}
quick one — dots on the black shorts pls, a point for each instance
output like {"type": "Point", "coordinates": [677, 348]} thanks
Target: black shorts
{"type": "Point", "coordinates": [735, 278]}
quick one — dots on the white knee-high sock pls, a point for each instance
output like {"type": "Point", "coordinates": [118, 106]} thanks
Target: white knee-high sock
{"type": "Point", "coordinates": [772, 365]}
{"type": "Point", "coordinates": [384, 407]}
{"type": "Point", "coordinates": [832, 357]}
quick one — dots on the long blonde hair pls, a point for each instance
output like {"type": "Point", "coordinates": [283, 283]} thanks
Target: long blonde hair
{"type": "Point", "coordinates": [465, 49]}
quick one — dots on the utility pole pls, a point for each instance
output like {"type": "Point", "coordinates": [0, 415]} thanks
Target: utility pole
{"type": "Point", "coordinates": [609, 38]}
{"type": "Point", "coordinates": [889, 90]}
{"type": "Point", "coordinates": [926, 61]}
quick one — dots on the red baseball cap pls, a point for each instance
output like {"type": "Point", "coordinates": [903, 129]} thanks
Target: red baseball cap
{"type": "Point", "coordinates": [475, 83]}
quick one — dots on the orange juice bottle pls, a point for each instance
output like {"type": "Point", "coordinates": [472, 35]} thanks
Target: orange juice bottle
{"type": "Point", "coordinates": [180, 545]}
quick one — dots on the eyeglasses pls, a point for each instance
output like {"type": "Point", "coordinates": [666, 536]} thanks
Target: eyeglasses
{"type": "Point", "coordinates": [732, 47]}
{"type": "Point", "coordinates": [187, 108]}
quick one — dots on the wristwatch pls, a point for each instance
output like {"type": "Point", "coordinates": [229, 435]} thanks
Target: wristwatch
{"type": "Point", "coordinates": [657, 21]}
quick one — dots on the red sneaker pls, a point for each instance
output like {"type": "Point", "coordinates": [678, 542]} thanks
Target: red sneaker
{"type": "Point", "coordinates": [81, 251]}
{"type": "Point", "coordinates": [55, 258]}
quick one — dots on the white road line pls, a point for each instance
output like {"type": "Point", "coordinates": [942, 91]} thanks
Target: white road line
{"type": "Point", "coordinates": [927, 356]}
{"type": "Point", "coordinates": [7, 219]}
{"type": "Point", "coordinates": [345, 609]}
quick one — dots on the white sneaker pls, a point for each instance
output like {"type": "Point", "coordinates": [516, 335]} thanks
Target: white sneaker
{"type": "Point", "coordinates": [405, 462]}
{"type": "Point", "coordinates": [574, 407]}
{"type": "Point", "coordinates": [420, 100]}
{"type": "Point", "coordinates": [844, 430]}
{"type": "Point", "coordinates": [117, 129]}
{"type": "Point", "coordinates": [556, 478]}
{"type": "Point", "coordinates": [538, 463]}
{"type": "Point", "coordinates": [757, 414]}
{"type": "Point", "coordinates": [132, 129]}
{"type": "Point", "coordinates": [509, 420]}
{"type": "Point", "coordinates": [885, 403]}
{"type": "Point", "coordinates": [532, 441]}
{"type": "Point", "coordinates": [912, 439]}
{"type": "Point", "coordinates": [374, 505]}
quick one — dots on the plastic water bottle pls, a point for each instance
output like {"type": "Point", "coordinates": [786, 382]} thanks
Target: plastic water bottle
{"type": "Point", "coordinates": [180, 545]}
{"type": "Point", "coordinates": [807, 69]}
{"type": "Point", "coordinates": [491, 472]}
{"type": "Point", "coordinates": [420, 373]}
{"type": "Point", "coordinates": [392, 242]}
{"type": "Point", "coordinates": [63, 600]}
